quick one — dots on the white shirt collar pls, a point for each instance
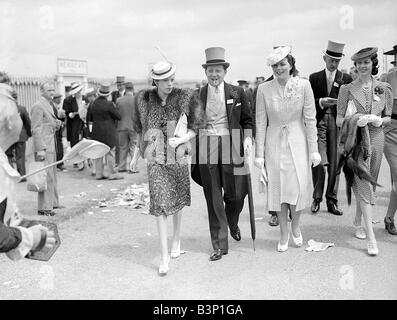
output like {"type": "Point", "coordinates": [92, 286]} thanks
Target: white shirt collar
{"type": "Point", "coordinates": [221, 88]}
{"type": "Point", "coordinates": [328, 73]}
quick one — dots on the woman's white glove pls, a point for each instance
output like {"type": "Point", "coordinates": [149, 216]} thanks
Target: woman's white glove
{"type": "Point", "coordinates": [363, 121]}
{"type": "Point", "coordinates": [176, 141]}
{"type": "Point", "coordinates": [375, 120]}
{"type": "Point", "coordinates": [315, 159]}
{"type": "Point", "coordinates": [247, 146]}
{"type": "Point", "coordinates": [259, 162]}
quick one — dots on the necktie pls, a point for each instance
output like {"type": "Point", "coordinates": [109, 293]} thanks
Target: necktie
{"type": "Point", "coordinates": [329, 83]}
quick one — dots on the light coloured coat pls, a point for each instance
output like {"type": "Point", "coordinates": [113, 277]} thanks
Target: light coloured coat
{"type": "Point", "coordinates": [44, 125]}
{"type": "Point", "coordinates": [293, 118]}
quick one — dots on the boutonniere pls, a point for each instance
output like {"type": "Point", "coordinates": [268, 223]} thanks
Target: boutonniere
{"type": "Point", "coordinates": [233, 94]}
{"type": "Point", "coordinates": [377, 92]}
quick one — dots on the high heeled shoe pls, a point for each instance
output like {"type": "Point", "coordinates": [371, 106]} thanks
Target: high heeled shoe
{"type": "Point", "coordinates": [163, 268]}
{"type": "Point", "coordinates": [390, 227]}
{"type": "Point", "coordinates": [372, 248]}
{"type": "Point", "coordinates": [360, 233]}
{"type": "Point", "coordinates": [282, 247]}
{"type": "Point", "coordinates": [178, 252]}
{"type": "Point", "coordinates": [298, 241]}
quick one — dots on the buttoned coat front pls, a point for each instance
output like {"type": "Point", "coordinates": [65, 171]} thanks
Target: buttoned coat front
{"type": "Point", "coordinates": [288, 115]}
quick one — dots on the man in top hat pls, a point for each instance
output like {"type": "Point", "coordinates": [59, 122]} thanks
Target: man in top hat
{"type": "Point", "coordinates": [19, 148]}
{"type": "Point", "coordinates": [103, 115]}
{"type": "Point", "coordinates": [128, 138]}
{"type": "Point", "coordinates": [120, 82]}
{"type": "Point", "coordinates": [326, 84]}
{"type": "Point", "coordinates": [221, 149]}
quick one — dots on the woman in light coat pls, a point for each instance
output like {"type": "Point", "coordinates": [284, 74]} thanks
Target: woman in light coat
{"type": "Point", "coordinates": [286, 142]}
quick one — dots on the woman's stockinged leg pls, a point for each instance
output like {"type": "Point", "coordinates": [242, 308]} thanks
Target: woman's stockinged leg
{"type": "Point", "coordinates": [357, 218]}
{"type": "Point", "coordinates": [295, 221]}
{"type": "Point", "coordinates": [176, 238]}
{"type": "Point", "coordinates": [162, 230]}
{"type": "Point", "coordinates": [283, 220]}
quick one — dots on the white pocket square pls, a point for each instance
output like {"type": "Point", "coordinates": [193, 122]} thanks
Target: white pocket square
{"type": "Point", "coordinates": [229, 101]}
{"type": "Point", "coordinates": [238, 104]}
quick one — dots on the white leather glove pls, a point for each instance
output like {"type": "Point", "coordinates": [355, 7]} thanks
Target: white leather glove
{"type": "Point", "coordinates": [247, 146]}
{"type": "Point", "coordinates": [363, 121]}
{"type": "Point", "coordinates": [375, 120]}
{"type": "Point", "coordinates": [259, 162]}
{"type": "Point", "coordinates": [176, 141]}
{"type": "Point", "coordinates": [315, 159]}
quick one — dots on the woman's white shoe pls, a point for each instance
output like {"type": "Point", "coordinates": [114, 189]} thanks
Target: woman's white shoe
{"type": "Point", "coordinates": [372, 248]}
{"type": "Point", "coordinates": [163, 268]}
{"type": "Point", "coordinates": [298, 241]}
{"type": "Point", "coordinates": [360, 233]}
{"type": "Point", "coordinates": [283, 247]}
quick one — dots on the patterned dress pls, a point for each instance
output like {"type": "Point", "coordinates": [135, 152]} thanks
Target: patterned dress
{"type": "Point", "coordinates": [377, 101]}
{"type": "Point", "coordinates": [168, 171]}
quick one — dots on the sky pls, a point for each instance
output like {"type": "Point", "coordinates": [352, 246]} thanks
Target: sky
{"type": "Point", "coordinates": [120, 37]}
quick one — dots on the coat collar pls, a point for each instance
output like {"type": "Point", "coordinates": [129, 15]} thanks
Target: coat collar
{"type": "Point", "coordinates": [47, 106]}
{"type": "Point", "coordinates": [358, 93]}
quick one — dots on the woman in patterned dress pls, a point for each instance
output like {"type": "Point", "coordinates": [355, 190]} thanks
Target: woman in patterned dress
{"type": "Point", "coordinates": [157, 112]}
{"type": "Point", "coordinates": [286, 142]}
{"type": "Point", "coordinates": [374, 100]}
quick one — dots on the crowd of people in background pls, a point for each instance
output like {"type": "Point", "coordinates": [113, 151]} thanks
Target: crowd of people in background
{"type": "Point", "coordinates": [301, 129]}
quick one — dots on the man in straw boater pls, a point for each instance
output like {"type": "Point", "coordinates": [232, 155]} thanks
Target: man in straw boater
{"type": "Point", "coordinates": [220, 167]}
{"type": "Point", "coordinates": [326, 84]}
{"type": "Point", "coordinates": [15, 241]}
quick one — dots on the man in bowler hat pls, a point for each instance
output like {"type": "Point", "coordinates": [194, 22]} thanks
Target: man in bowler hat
{"type": "Point", "coordinates": [326, 84]}
{"type": "Point", "coordinates": [222, 144]}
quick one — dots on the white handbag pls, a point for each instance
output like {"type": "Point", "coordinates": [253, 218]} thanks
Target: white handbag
{"type": "Point", "coordinates": [181, 126]}
{"type": "Point", "coordinates": [351, 109]}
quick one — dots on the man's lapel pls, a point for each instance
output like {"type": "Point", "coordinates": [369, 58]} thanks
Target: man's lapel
{"type": "Point", "coordinates": [323, 84]}
{"type": "Point", "coordinates": [203, 95]}
{"type": "Point", "coordinates": [228, 97]}
{"type": "Point", "coordinates": [358, 94]}
{"type": "Point", "coordinates": [48, 107]}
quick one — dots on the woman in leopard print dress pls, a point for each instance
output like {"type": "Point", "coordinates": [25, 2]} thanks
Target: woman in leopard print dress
{"type": "Point", "coordinates": [157, 112]}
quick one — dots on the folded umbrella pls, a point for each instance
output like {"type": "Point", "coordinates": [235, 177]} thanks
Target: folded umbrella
{"type": "Point", "coordinates": [248, 163]}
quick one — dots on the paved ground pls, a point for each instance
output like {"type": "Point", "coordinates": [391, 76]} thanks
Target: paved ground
{"type": "Point", "coordinates": [115, 255]}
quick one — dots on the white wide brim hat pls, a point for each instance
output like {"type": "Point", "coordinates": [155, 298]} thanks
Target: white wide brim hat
{"type": "Point", "coordinates": [75, 90]}
{"type": "Point", "coordinates": [162, 70]}
{"type": "Point", "coordinates": [277, 55]}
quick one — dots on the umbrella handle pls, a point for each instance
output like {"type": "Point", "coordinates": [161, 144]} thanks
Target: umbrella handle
{"type": "Point", "coordinates": [41, 169]}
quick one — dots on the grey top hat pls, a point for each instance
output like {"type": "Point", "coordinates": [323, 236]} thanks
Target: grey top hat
{"type": "Point", "coordinates": [215, 56]}
{"type": "Point", "coordinates": [104, 90]}
{"type": "Point", "coordinates": [335, 50]}
{"type": "Point", "coordinates": [120, 79]}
